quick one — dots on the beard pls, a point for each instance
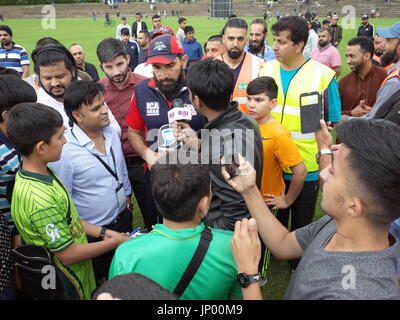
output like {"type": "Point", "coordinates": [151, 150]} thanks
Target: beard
{"type": "Point", "coordinates": [122, 76]}
{"type": "Point", "coordinates": [170, 90]}
{"type": "Point", "coordinates": [323, 44]}
{"type": "Point", "coordinates": [53, 95]}
{"type": "Point", "coordinates": [234, 54]}
{"type": "Point", "coordinates": [256, 46]}
{"type": "Point", "coordinates": [6, 43]}
{"type": "Point", "coordinates": [387, 58]}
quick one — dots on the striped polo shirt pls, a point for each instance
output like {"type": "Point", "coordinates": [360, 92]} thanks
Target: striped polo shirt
{"type": "Point", "coordinates": [14, 58]}
{"type": "Point", "coordinates": [9, 164]}
{"type": "Point", "coordinates": [39, 208]}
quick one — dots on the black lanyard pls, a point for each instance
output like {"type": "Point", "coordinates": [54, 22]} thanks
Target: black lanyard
{"type": "Point", "coordinates": [114, 174]}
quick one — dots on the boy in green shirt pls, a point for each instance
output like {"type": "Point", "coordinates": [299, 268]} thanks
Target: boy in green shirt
{"type": "Point", "coordinates": [40, 202]}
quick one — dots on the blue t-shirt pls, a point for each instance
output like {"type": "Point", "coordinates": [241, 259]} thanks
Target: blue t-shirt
{"type": "Point", "coordinates": [334, 114]}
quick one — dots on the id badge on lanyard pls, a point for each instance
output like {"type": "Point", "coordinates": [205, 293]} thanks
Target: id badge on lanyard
{"type": "Point", "coordinates": [121, 195]}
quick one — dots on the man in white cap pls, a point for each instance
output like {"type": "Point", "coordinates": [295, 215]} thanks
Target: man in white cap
{"type": "Point", "coordinates": [336, 31]}
{"type": "Point", "coordinates": [366, 29]}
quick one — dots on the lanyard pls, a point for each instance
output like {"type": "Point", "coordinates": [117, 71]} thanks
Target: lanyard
{"type": "Point", "coordinates": [114, 174]}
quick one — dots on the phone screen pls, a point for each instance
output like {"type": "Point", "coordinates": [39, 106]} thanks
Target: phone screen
{"type": "Point", "coordinates": [311, 112]}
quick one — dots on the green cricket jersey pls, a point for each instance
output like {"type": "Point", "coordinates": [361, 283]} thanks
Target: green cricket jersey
{"type": "Point", "coordinates": [39, 208]}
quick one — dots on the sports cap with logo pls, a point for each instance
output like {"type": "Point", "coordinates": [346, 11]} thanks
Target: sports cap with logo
{"type": "Point", "coordinates": [392, 32]}
{"type": "Point", "coordinates": [164, 49]}
{"type": "Point", "coordinates": [364, 17]}
{"type": "Point", "coordinates": [162, 31]}
{"type": "Point", "coordinates": [335, 17]}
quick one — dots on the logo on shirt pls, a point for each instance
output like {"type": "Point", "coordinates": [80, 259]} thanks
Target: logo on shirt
{"type": "Point", "coordinates": [52, 232]}
{"type": "Point", "coordinates": [152, 109]}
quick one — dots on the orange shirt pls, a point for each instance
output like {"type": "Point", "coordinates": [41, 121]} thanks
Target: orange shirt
{"type": "Point", "coordinates": [280, 152]}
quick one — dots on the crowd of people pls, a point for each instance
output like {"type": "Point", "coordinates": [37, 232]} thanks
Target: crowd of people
{"type": "Point", "coordinates": [224, 150]}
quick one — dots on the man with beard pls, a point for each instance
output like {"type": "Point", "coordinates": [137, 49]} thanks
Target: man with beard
{"type": "Point", "coordinates": [245, 66]}
{"type": "Point", "coordinates": [151, 101]}
{"type": "Point", "coordinates": [391, 84]}
{"type": "Point", "coordinates": [258, 45]}
{"type": "Point", "coordinates": [379, 44]}
{"type": "Point", "coordinates": [13, 56]}
{"type": "Point", "coordinates": [56, 70]}
{"type": "Point", "coordinates": [156, 20]}
{"type": "Point", "coordinates": [143, 41]}
{"type": "Point", "coordinates": [119, 85]}
{"type": "Point", "coordinates": [326, 53]}
{"type": "Point", "coordinates": [363, 82]}
{"type": "Point", "coordinates": [366, 29]}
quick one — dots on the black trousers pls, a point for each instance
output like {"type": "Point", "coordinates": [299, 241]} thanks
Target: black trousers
{"type": "Point", "coordinates": [302, 210]}
{"type": "Point", "coordinates": [101, 264]}
{"type": "Point", "coordinates": [153, 216]}
{"type": "Point", "coordinates": [138, 182]}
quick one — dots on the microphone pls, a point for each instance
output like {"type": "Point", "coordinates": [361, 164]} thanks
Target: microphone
{"type": "Point", "coordinates": [180, 112]}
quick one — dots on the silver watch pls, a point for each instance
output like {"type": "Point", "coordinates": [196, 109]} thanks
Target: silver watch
{"type": "Point", "coordinates": [321, 152]}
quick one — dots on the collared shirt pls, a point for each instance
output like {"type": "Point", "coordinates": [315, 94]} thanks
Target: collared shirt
{"type": "Point", "coordinates": [266, 54]}
{"type": "Point", "coordinates": [352, 88]}
{"type": "Point", "coordinates": [118, 100]}
{"type": "Point", "coordinates": [328, 56]}
{"type": "Point", "coordinates": [14, 58]}
{"type": "Point", "coordinates": [90, 184]}
{"type": "Point", "coordinates": [45, 98]}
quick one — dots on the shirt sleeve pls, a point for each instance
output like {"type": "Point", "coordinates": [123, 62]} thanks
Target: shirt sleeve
{"type": "Point", "coordinates": [50, 222]}
{"type": "Point", "coordinates": [286, 151]}
{"type": "Point", "coordinates": [336, 60]}
{"type": "Point", "coordinates": [335, 106]}
{"type": "Point", "coordinates": [134, 119]}
{"type": "Point", "coordinates": [24, 58]}
{"type": "Point", "coordinates": [306, 234]}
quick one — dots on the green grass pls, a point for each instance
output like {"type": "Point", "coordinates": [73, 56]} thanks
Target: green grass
{"type": "Point", "coordinates": [89, 33]}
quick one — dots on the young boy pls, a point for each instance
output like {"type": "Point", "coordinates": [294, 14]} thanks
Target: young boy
{"type": "Point", "coordinates": [192, 47]}
{"type": "Point", "coordinates": [40, 202]}
{"type": "Point", "coordinates": [279, 149]}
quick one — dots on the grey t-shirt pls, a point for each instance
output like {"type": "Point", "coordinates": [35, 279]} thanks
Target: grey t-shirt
{"type": "Point", "coordinates": [341, 275]}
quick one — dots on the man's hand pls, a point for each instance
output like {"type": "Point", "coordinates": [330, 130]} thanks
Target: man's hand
{"type": "Point", "coordinates": [246, 246]}
{"type": "Point", "coordinates": [324, 138]}
{"type": "Point", "coordinates": [361, 110]}
{"type": "Point", "coordinates": [183, 132]}
{"type": "Point", "coordinates": [246, 179]}
{"type": "Point", "coordinates": [151, 157]}
{"type": "Point", "coordinates": [277, 202]}
{"type": "Point", "coordinates": [120, 237]}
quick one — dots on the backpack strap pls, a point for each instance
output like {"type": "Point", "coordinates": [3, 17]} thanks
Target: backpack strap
{"type": "Point", "coordinates": [205, 240]}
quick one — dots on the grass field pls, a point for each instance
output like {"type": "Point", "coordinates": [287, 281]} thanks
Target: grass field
{"type": "Point", "coordinates": [89, 33]}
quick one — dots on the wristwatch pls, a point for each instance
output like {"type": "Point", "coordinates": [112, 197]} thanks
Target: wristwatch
{"type": "Point", "coordinates": [247, 279]}
{"type": "Point", "coordinates": [102, 233]}
{"type": "Point", "coordinates": [321, 152]}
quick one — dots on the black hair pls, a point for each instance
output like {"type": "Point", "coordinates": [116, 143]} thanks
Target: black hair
{"type": "Point", "coordinates": [30, 123]}
{"type": "Point", "coordinates": [5, 71]}
{"type": "Point", "coordinates": [326, 30]}
{"type": "Point", "coordinates": [212, 81]}
{"type": "Point", "coordinates": [134, 286]}
{"type": "Point", "coordinates": [78, 93]}
{"type": "Point", "coordinates": [52, 54]}
{"type": "Point", "coordinates": [145, 32]}
{"type": "Point", "coordinates": [188, 29]}
{"type": "Point", "coordinates": [295, 25]}
{"type": "Point", "coordinates": [192, 62]}
{"type": "Point", "coordinates": [260, 21]}
{"type": "Point", "coordinates": [365, 43]}
{"type": "Point", "coordinates": [13, 91]}
{"type": "Point", "coordinates": [156, 16]}
{"type": "Point", "coordinates": [7, 29]}
{"type": "Point", "coordinates": [265, 85]}
{"type": "Point", "coordinates": [41, 43]}
{"type": "Point", "coordinates": [235, 23]}
{"type": "Point", "coordinates": [375, 162]}
{"type": "Point", "coordinates": [125, 31]}
{"type": "Point", "coordinates": [232, 16]}
{"type": "Point", "coordinates": [216, 37]}
{"type": "Point", "coordinates": [110, 48]}
{"type": "Point", "coordinates": [181, 19]}
{"type": "Point", "coordinates": [177, 188]}
{"type": "Point", "coordinates": [325, 22]}
{"type": "Point", "coordinates": [138, 14]}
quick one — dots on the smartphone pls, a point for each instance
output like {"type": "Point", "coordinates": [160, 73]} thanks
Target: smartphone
{"type": "Point", "coordinates": [231, 155]}
{"type": "Point", "coordinates": [311, 111]}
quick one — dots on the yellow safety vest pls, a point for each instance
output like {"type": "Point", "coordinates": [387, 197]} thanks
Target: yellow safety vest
{"type": "Point", "coordinates": [312, 76]}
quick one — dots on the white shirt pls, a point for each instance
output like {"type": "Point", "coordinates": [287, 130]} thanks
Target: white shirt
{"type": "Point", "coordinates": [44, 98]}
{"type": "Point", "coordinates": [146, 71]}
{"type": "Point", "coordinates": [119, 28]}
{"type": "Point", "coordinates": [312, 43]}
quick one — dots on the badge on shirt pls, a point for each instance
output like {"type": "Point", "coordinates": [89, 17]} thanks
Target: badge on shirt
{"type": "Point", "coordinates": [152, 109]}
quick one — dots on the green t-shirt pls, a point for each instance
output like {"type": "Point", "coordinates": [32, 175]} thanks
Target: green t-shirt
{"type": "Point", "coordinates": [39, 208]}
{"type": "Point", "coordinates": [164, 254]}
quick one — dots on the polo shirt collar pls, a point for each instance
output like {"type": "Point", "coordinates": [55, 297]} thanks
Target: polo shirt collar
{"type": "Point", "coordinates": [181, 234]}
{"type": "Point", "coordinates": [326, 48]}
{"type": "Point", "coordinates": [48, 179]}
